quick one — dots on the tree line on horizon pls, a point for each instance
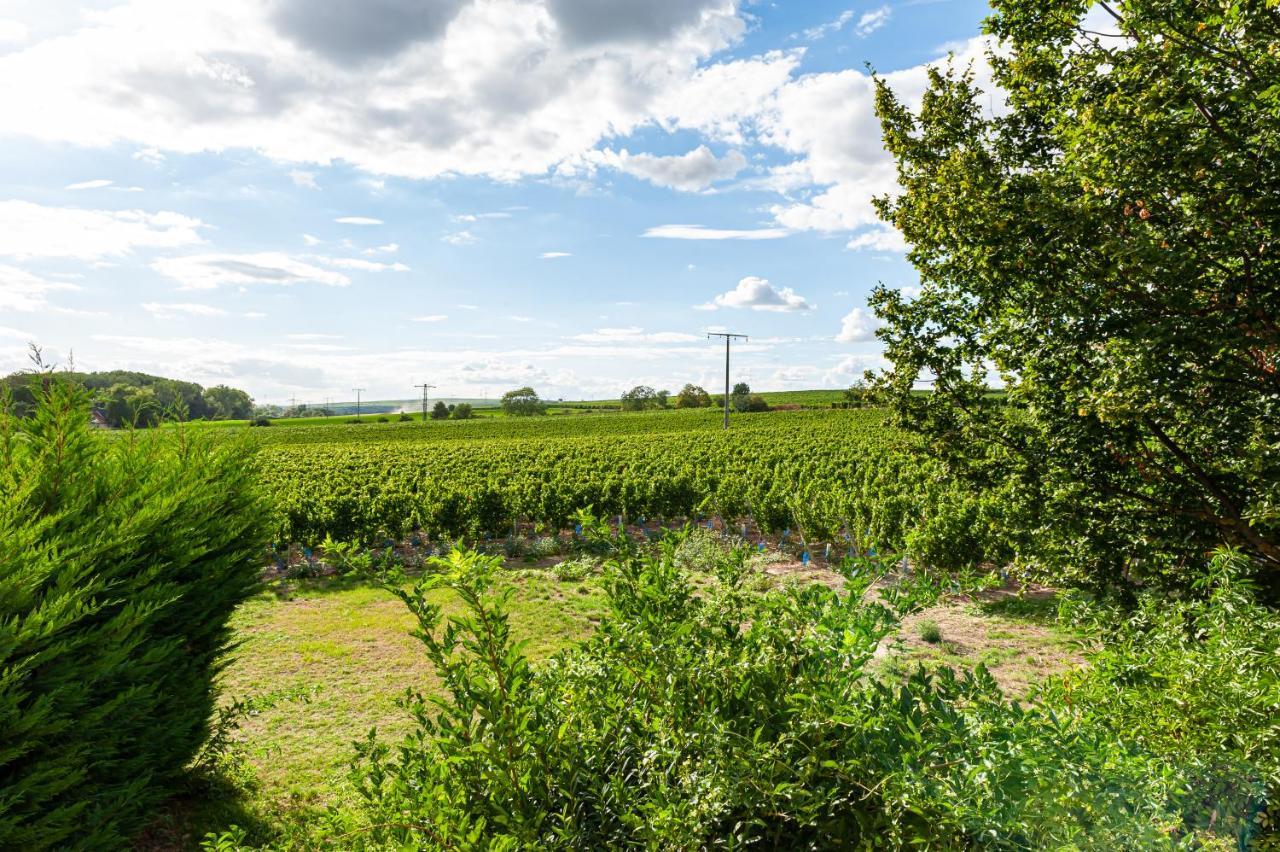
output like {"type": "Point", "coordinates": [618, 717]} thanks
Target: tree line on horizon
{"type": "Point", "coordinates": [128, 398]}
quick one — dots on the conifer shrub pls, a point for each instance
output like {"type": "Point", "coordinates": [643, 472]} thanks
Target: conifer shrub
{"type": "Point", "coordinates": [122, 556]}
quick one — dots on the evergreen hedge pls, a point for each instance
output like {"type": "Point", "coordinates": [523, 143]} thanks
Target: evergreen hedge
{"type": "Point", "coordinates": [122, 556]}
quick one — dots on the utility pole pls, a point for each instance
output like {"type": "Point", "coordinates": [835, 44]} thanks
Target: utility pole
{"type": "Point", "coordinates": [727, 337]}
{"type": "Point", "coordinates": [357, 392]}
{"type": "Point", "coordinates": [424, 387]}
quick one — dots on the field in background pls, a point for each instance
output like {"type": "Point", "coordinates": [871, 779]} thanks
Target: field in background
{"type": "Point", "coordinates": [482, 408]}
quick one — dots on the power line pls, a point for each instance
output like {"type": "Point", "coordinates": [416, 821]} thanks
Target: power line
{"type": "Point", "coordinates": [357, 392]}
{"type": "Point", "coordinates": [424, 387]}
{"type": "Point", "coordinates": [727, 337]}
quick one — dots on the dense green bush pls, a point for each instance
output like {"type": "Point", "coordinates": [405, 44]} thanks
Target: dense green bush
{"type": "Point", "coordinates": [702, 715]}
{"type": "Point", "coordinates": [121, 558]}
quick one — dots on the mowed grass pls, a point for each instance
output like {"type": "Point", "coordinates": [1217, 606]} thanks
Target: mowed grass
{"type": "Point", "coordinates": [332, 659]}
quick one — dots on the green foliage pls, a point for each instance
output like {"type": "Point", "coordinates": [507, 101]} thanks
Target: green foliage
{"type": "Point", "coordinates": [836, 473]}
{"type": "Point", "coordinates": [715, 717]}
{"type": "Point", "coordinates": [693, 396]}
{"type": "Point", "coordinates": [1196, 684]}
{"type": "Point", "coordinates": [123, 557]}
{"type": "Point", "coordinates": [522, 402]}
{"type": "Point", "coordinates": [1107, 247]}
{"type": "Point", "coordinates": [462, 411]}
{"type": "Point", "coordinates": [643, 398]}
{"type": "Point", "coordinates": [930, 632]}
{"type": "Point", "coordinates": [440, 411]}
{"type": "Point", "coordinates": [226, 403]}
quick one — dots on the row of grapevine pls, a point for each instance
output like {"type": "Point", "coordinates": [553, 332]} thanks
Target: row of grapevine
{"type": "Point", "coordinates": [826, 475]}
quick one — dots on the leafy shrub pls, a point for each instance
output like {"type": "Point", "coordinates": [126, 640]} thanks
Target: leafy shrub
{"type": "Point", "coordinates": [930, 632]}
{"type": "Point", "coordinates": [405, 417]}
{"type": "Point", "coordinates": [123, 558]}
{"type": "Point", "coordinates": [260, 420]}
{"type": "Point", "coordinates": [382, 418]}
{"type": "Point", "coordinates": [721, 719]}
{"type": "Point", "coordinates": [576, 569]}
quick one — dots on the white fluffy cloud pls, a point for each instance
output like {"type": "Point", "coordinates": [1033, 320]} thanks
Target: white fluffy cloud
{"type": "Point", "coordinates": [22, 291]}
{"type": "Point", "coordinates": [33, 230]}
{"type": "Point", "coordinates": [759, 295]}
{"type": "Point", "coordinates": [878, 238]}
{"type": "Point", "coordinates": [827, 122]}
{"type": "Point", "coordinates": [497, 87]}
{"type": "Point", "coordinates": [209, 271]}
{"type": "Point", "coordinates": [691, 172]}
{"type": "Point", "coordinates": [858, 326]}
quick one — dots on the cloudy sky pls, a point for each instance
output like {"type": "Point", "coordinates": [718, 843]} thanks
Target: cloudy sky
{"type": "Point", "coordinates": [299, 198]}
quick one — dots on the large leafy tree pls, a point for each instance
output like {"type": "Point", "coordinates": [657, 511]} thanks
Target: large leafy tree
{"type": "Point", "coordinates": [522, 402]}
{"type": "Point", "coordinates": [1106, 243]}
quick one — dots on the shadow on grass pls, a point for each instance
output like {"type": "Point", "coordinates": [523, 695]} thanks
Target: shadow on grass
{"type": "Point", "coordinates": [205, 804]}
{"type": "Point", "coordinates": [1037, 606]}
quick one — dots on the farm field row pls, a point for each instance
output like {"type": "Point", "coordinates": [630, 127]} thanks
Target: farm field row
{"type": "Point", "coordinates": [823, 476]}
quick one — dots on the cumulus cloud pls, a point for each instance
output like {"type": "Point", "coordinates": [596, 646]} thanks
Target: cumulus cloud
{"type": "Point", "coordinates": [22, 291]}
{"type": "Point", "coordinates": [691, 172]}
{"type": "Point", "coordinates": [209, 271]}
{"type": "Point", "coordinates": [698, 232]}
{"type": "Point", "coordinates": [357, 220]}
{"type": "Point", "coordinates": [406, 88]}
{"type": "Point", "coordinates": [858, 326]}
{"type": "Point", "coordinates": [759, 295]}
{"type": "Point", "coordinates": [878, 238]}
{"type": "Point", "coordinates": [33, 230]}
{"type": "Point", "coordinates": [177, 310]}
{"type": "Point", "coordinates": [12, 32]}
{"type": "Point", "coordinates": [357, 31]}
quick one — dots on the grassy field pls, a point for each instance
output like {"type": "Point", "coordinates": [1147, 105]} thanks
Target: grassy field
{"type": "Point", "coordinates": [327, 660]}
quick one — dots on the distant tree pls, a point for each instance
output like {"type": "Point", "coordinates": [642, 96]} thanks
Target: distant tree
{"type": "Point", "coordinates": [440, 411]}
{"type": "Point", "coordinates": [859, 394]}
{"type": "Point", "coordinates": [692, 396]}
{"type": "Point", "coordinates": [462, 411]}
{"type": "Point", "coordinates": [755, 402]}
{"type": "Point", "coordinates": [522, 402]}
{"type": "Point", "coordinates": [741, 396]}
{"type": "Point", "coordinates": [642, 397]}
{"type": "Point", "coordinates": [123, 405]}
{"type": "Point", "coordinates": [229, 403]}
{"type": "Point", "coordinates": [663, 396]}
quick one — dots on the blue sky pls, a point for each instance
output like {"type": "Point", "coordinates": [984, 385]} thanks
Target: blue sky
{"type": "Point", "coordinates": [480, 194]}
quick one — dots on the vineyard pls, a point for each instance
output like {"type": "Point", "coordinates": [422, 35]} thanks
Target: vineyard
{"type": "Point", "coordinates": [841, 477]}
